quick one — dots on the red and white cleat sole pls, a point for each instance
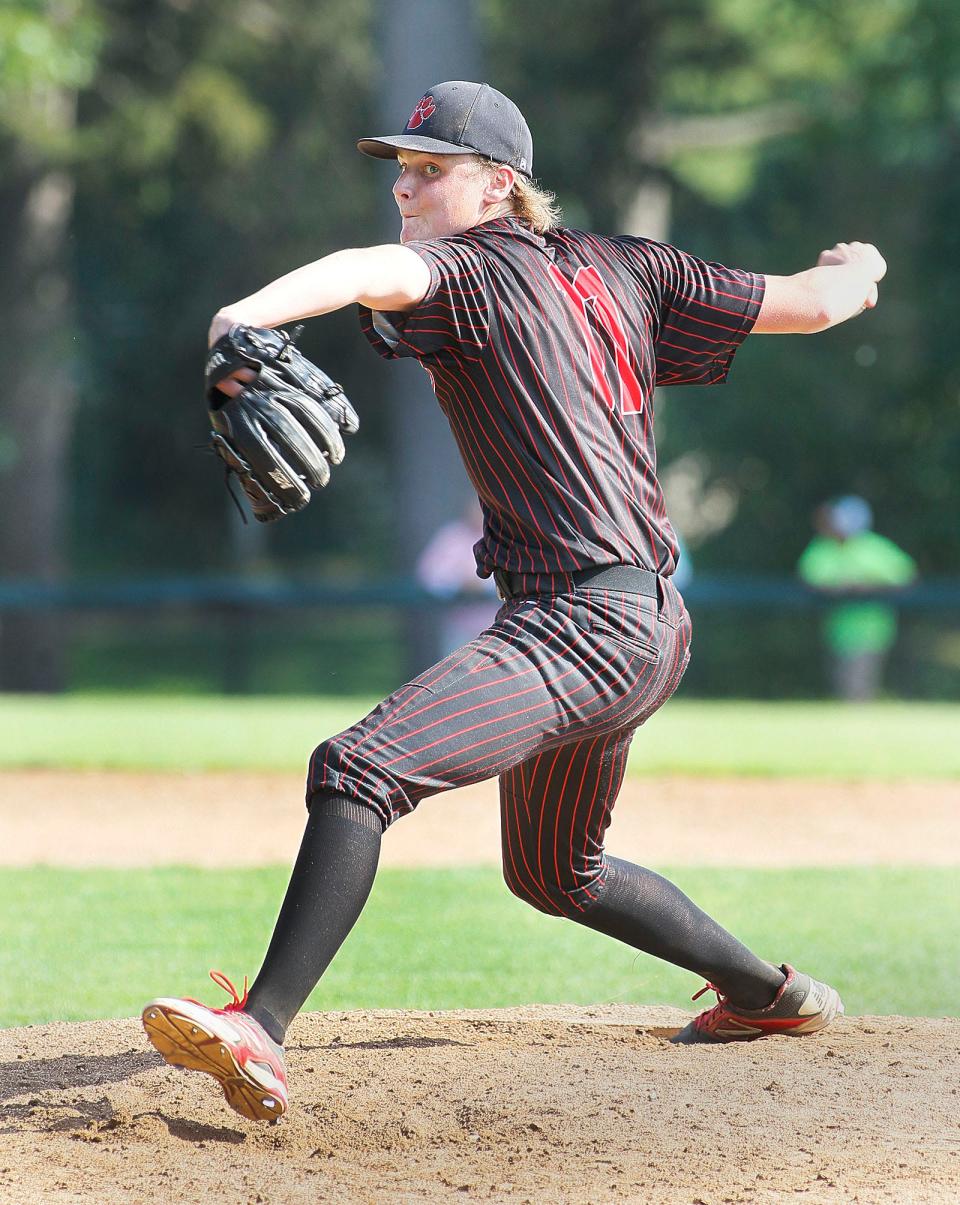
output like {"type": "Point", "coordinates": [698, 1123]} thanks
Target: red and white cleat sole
{"type": "Point", "coordinates": [230, 1046]}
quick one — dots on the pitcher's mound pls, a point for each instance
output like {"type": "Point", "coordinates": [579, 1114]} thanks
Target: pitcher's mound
{"type": "Point", "coordinates": [539, 1104]}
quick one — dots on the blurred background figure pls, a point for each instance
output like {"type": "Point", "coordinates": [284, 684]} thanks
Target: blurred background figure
{"type": "Point", "coordinates": [683, 574]}
{"type": "Point", "coordinates": [116, 570]}
{"type": "Point", "coordinates": [447, 568]}
{"type": "Point", "coordinates": [846, 557]}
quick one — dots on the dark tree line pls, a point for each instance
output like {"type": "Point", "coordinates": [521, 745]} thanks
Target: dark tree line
{"type": "Point", "coordinates": [161, 157]}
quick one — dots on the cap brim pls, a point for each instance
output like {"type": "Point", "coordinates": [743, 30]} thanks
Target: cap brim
{"type": "Point", "coordinates": [386, 148]}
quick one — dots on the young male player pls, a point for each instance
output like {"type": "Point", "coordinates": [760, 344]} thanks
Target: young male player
{"type": "Point", "coordinates": [543, 345]}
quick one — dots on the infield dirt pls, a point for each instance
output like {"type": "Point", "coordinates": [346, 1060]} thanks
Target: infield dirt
{"type": "Point", "coordinates": [541, 1105]}
{"type": "Point", "coordinates": [103, 819]}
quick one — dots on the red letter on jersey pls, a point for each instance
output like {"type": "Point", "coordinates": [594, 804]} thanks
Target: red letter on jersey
{"type": "Point", "coordinates": [588, 294]}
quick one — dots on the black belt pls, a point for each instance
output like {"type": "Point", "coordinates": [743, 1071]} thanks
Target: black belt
{"type": "Point", "coordinates": [629, 579]}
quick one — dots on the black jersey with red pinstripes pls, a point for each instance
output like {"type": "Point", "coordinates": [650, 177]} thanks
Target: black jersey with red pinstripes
{"type": "Point", "coordinates": [544, 352]}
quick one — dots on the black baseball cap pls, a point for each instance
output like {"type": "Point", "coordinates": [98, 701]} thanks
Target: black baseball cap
{"type": "Point", "coordinates": [457, 118]}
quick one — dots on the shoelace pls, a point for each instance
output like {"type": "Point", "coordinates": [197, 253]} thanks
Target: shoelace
{"type": "Point", "coordinates": [705, 1018]}
{"type": "Point", "coordinates": [707, 987]}
{"type": "Point", "coordinates": [721, 1002]}
{"type": "Point", "coordinates": [238, 1002]}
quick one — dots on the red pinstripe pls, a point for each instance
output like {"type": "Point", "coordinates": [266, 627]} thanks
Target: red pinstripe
{"type": "Point", "coordinates": [650, 487]}
{"type": "Point", "coordinates": [511, 752]}
{"type": "Point", "coordinates": [619, 760]}
{"type": "Point", "coordinates": [453, 662]}
{"type": "Point", "coordinates": [550, 696]}
{"type": "Point", "coordinates": [693, 336]}
{"type": "Point", "coordinates": [564, 485]}
{"type": "Point", "coordinates": [532, 724]}
{"type": "Point", "coordinates": [579, 797]}
{"type": "Point", "coordinates": [558, 322]}
{"type": "Point", "coordinates": [485, 433]}
{"type": "Point", "coordinates": [462, 291]}
{"type": "Point", "coordinates": [519, 836]}
{"type": "Point", "coordinates": [561, 755]}
{"type": "Point", "coordinates": [484, 369]}
{"type": "Point", "coordinates": [413, 692]}
{"type": "Point", "coordinates": [398, 702]}
{"type": "Point", "coordinates": [707, 377]}
{"type": "Point", "coordinates": [516, 880]}
{"type": "Point", "coordinates": [490, 637]}
{"type": "Point", "coordinates": [508, 531]}
{"type": "Point", "coordinates": [537, 412]}
{"type": "Point", "coordinates": [563, 791]}
{"type": "Point", "coordinates": [543, 812]}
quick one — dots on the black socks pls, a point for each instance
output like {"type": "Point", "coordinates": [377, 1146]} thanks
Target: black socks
{"type": "Point", "coordinates": [334, 872]}
{"type": "Point", "coordinates": [648, 912]}
{"type": "Point", "coordinates": [329, 886]}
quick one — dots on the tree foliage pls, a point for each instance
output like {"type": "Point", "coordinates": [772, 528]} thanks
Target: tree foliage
{"type": "Point", "coordinates": [872, 406]}
{"type": "Point", "coordinates": [214, 156]}
{"type": "Point", "coordinates": [866, 97]}
{"type": "Point", "coordinates": [213, 149]}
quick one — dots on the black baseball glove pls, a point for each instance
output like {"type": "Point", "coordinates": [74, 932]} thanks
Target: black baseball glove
{"type": "Point", "coordinates": [282, 433]}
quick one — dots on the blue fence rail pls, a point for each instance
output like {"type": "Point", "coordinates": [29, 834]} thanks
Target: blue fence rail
{"type": "Point", "coordinates": [756, 635]}
{"type": "Point", "coordinates": [753, 591]}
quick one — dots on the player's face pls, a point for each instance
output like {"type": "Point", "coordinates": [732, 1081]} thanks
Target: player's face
{"type": "Point", "coordinates": [439, 194]}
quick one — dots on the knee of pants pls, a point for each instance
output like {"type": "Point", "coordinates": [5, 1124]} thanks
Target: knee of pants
{"type": "Point", "coordinates": [331, 803]}
{"type": "Point", "coordinates": [335, 767]}
{"type": "Point", "coordinates": [552, 894]}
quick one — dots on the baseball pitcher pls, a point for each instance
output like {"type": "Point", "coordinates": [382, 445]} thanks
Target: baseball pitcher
{"type": "Point", "coordinates": [544, 346]}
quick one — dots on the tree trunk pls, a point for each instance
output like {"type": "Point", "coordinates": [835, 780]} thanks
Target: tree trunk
{"type": "Point", "coordinates": [417, 39]}
{"type": "Point", "coordinates": [38, 403]}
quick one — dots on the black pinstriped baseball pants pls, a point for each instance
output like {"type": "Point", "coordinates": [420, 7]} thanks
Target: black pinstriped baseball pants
{"type": "Point", "coordinates": [547, 698]}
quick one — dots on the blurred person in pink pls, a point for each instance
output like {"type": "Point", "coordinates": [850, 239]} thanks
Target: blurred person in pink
{"type": "Point", "coordinates": [447, 568]}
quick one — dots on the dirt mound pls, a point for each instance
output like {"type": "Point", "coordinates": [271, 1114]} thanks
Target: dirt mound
{"type": "Point", "coordinates": [545, 1104]}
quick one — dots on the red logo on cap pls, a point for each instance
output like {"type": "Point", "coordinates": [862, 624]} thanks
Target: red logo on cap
{"type": "Point", "coordinates": [426, 108]}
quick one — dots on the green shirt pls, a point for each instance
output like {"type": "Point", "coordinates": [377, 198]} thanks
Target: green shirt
{"type": "Point", "coordinates": [867, 561]}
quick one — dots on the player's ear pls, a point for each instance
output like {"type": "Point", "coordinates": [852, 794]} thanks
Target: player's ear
{"type": "Point", "coordinates": [500, 183]}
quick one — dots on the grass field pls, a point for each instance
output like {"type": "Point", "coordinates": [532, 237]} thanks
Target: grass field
{"type": "Point", "coordinates": [86, 944]}
{"type": "Point", "coordinates": [882, 740]}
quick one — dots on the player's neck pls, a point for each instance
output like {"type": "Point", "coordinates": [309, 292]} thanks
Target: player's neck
{"type": "Point", "coordinates": [502, 209]}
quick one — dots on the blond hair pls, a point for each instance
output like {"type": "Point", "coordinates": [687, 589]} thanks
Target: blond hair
{"type": "Point", "coordinates": [533, 205]}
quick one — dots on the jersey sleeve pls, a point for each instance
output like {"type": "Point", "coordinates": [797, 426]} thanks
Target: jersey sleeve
{"type": "Point", "coordinates": [705, 312]}
{"type": "Point", "coordinates": [455, 311]}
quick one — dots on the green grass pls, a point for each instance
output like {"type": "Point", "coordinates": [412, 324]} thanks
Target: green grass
{"type": "Point", "coordinates": [882, 740]}
{"type": "Point", "coordinates": [86, 944]}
